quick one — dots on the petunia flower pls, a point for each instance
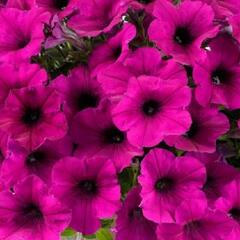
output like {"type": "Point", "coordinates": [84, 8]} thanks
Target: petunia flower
{"type": "Point", "coordinates": [18, 76]}
{"type": "Point", "coordinates": [31, 212]}
{"type": "Point", "coordinates": [130, 223]}
{"type": "Point", "coordinates": [144, 61]}
{"type": "Point", "coordinates": [90, 188]}
{"type": "Point", "coordinates": [32, 115]}
{"type": "Point", "coordinates": [218, 175]}
{"type": "Point", "coordinates": [180, 30]}
{"type": "Point", "coordinates": [79, 90]}
{"type": "Point", "coordinates": [115, 49]}
{"type": "Point", "coordinates": [208, 124]}
{"type": "Point", "coordinates": [166, 181]}
{"type": "Point", "coordinates": [21, 34]}
{"type": "Point", "coordinates": [95, 134]}
{"type": "Point", "coordinates": [97, 16]}
{"type": "Point", "coordinates": [194, 221]}
{"type": "Point", "coordinates": [230, 204]}
{"type": "Point", "coordinates": [218, 77]}
{"type": "Point", "coordinates": [21, 162]}
{"type": "Point", "coordinates": [152, 108]}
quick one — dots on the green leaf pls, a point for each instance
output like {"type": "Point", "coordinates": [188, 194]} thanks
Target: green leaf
{"type": "Point", "coordinates": [176, 2]}
{"type": "Point", "coordinates": [126, 179]}
{"type": "Point", "coordinates": [107, 223]}
{"type": "Point", "coordinates": [69, 232]}
{"type": "Point", "coordinates": [104, 234]}
{"type": "Point", "coordinates": [93, 236]}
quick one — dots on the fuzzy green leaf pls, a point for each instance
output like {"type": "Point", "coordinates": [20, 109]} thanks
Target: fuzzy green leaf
{"type": "Point", "coordinates": [104, 234]}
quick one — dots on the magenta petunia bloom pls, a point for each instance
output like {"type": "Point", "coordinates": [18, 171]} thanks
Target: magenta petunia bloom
{"type": "Point", "coordinates": [130, 223]}
{"type": "Point", "coordinates": [180, 30]}
{"type": "Point", "coordinates": [32, 115]}
{"type": "Point", "coordinates": [230, 204]}
{"type": "Point", "coordinates": [218, 77]}
{"type": "Point", "coordinates": [166, 181]}
{"type": "Point", "coordinates": [22, 75]}
{"type": "Point", "coordinates": [21, 34]}
{"type": "Point", "coordinates": [21, 163]}
{"type": "Point", "coordinates": [152, 108]}
{"type": "Point", "coordinates": [194, 221]}
{"type": "Point", "coordinates": [90, 188]}
{"type": "Point", "coordinates": [115, 49]}
{"type": "Point", "coordinates": [219, 174]}
{"type": "Point", "coordinates": [79, 90]}
{"type": "Point", "coordinates": [31, 213]}
{"type": "Point", "coordinates": [208, 124]}
{"type": "Point", "coordinates": [95, 134]}
{"type": "Point", "coordinates": [143, 61]}
{"type": "Point", "coordinates": [120, 116]}
{"type": "Point", "coordinates": [97, 16]}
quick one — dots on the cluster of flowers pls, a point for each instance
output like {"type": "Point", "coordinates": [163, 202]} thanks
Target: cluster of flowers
{"type": "Point", "coordinates": [153, 87]}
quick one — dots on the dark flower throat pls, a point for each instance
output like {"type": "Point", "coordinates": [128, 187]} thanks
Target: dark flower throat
{"type": "Point", "coordinates": [183, 36]}
{"type": "Point", "coordinates": [164, 184]}
{"type": "Point", "coordinates": [35, 158]}
{"type": "Point", "coordinates": [32, 212]}
{"type": "Point", "coordinates": [87, 187]}
{"type": "Point", "coordinates": [60, 4]}
{"type": "Point", "coordinates": [150, 107]}
{"type": "Point", "coordinates": [235, 213]}
{"type": "Point", "coordinates": [87, 99]}
{"type": "Point", "coordinates": [220, 76]}
{"type": "Point", "coordinates": [192, 132]}
{"type": "Point", "coordinates": [113, 135]}
{"type": "Point", "coordinates": [31, 116]}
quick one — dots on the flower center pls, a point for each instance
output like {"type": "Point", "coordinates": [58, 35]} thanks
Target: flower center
{"type": "Point", "coordinates": [31, 116]}
{"type": "Point", "coordinates": [235, 213]}
{"type": "Point", "coordinates": [3, 2]}
{"type": "Point", "coordinates": [87, 99]}
{"type": "Point", "coordinates": [220, 75]}
{"type": "Point", "coordinates": [23, 42]}
{"type": "Point", "coordinates": [209, 182]}
{"type": "Point", "coordinates": [35, 158]}
{"type": "Point", "coordinates": [164, 184]}
{"type": "Point", "coordinates": [88, 187]}
{"type": "Point", "coordinates": [192, 226]}
{"type": "Point", "coordinates": [183, 36]}
{"type": "Point", "coordinates": [112, 135]}
{"type": "Point", "coordinates": [60, 4]}
{"type": "Point", "coordinates": [145, 1]}
{"type": "Point", "coordinates": [32, 211]}
{"type": "Point", "coordinates": [135, 213]}
{"type": "Point", "coordinates": [1, 156]}
{"type": "Point", "coordinates": [150, 107]}
{"type": "Point", "coordinates": [117, 52]}
{"type": "Point", "coordinates": [192, 132]}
